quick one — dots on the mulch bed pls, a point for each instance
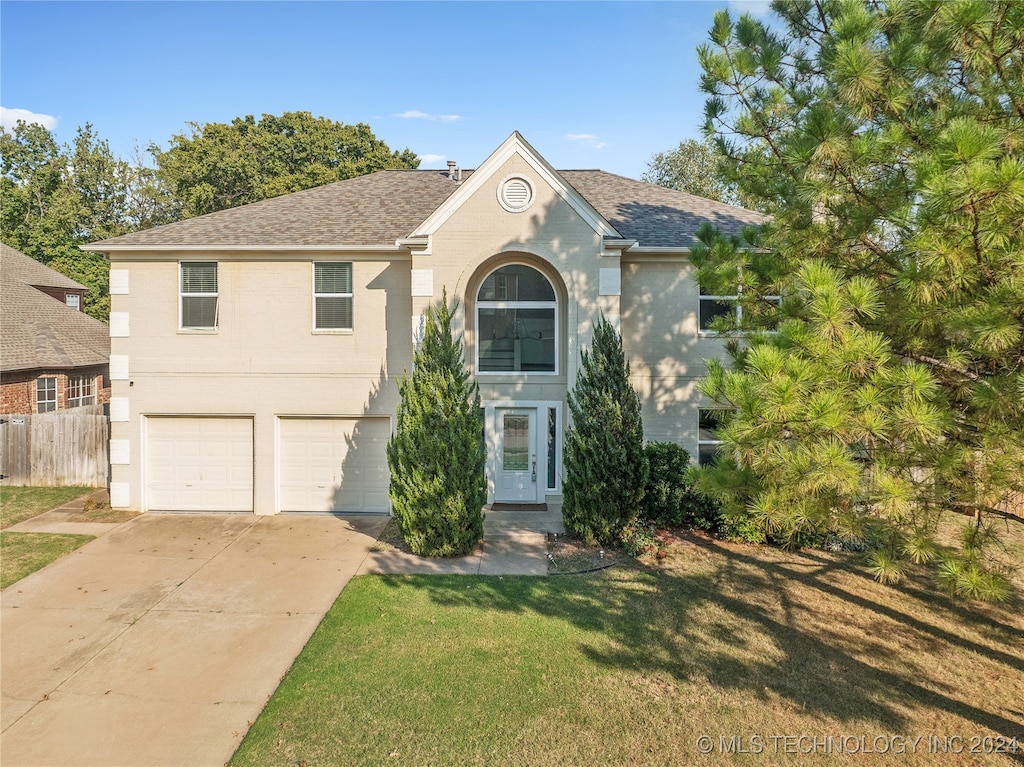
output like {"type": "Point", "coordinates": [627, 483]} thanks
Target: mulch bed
{"type": "Point", "coordinates": [567, 556]}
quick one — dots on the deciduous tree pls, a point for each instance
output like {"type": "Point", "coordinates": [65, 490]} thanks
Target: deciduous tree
{"type": "Point", "coordinates": [693, 167]}
{"type": "Point", "coordinates": [219, 165]}
{"type": "Point", "coordinates": [56, 198]}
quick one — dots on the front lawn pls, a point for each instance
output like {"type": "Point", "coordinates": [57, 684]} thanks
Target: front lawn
{"type": "Point", "coordinates": [20, 503]}
{"type": "Point", "coordinates": [22, 554]}
{"type": "Point", "coordinates": [753, 647]}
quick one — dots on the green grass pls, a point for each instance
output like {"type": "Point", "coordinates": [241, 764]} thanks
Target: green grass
{"type": "Point", "coordinates": [20, 503]}
{"type": "Point", "coordinates": [631, 665]}
{"type": "Point", "coordinates": [22, 554]}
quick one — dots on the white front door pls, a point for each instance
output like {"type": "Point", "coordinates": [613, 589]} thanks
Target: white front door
{"type": "Point", "coordinates": [516, 480]}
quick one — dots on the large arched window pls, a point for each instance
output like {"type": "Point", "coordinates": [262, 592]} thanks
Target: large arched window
{"type": "Point", "coordinates": [517, 322]}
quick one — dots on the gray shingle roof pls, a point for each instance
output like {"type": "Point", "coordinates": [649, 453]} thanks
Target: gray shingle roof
{"type": "Point", "coordinates": [37, 330]}
{"type": "Point", "coordinates": [388, 205]}
{"type": "Point", "coordinates": [653, 215]}
{"type": "Point", "coordinates": [375, 209]}
{"type": "Point", "coordinates": [28, 271]}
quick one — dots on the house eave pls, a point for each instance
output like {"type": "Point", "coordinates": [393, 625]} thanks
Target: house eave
{"type": "Point", "coordinates": [396, 248]}
{"type": "Point", "coordinates": [659, 249]}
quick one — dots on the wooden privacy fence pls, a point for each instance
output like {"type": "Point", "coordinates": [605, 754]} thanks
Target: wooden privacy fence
{"type": "Point", "coordinates": [65, 447]}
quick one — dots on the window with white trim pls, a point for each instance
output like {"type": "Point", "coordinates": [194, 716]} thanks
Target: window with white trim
{"type": "Point", "coordinates": [709, 421]}
{"type": "Point", "coordinates": [73, 300]}
{"type": "Point", "coordinates": [46, 394]}
{"type": "Point", "coordinates": [199, 295]}
{"type": "Point", "coordinates": [517, 322]}
{"type": "Point", "coordinates": [332, 295]}
{"type": "Point", "coordinates": [81, 391]}
{"type": "Point", "coordinates": [712, 307]}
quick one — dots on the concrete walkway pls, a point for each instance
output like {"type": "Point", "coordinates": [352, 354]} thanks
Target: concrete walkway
{"type": "Point", "coordinates": [160, 642]}
{"type": "Point", "coordinates": [515, 543]}
{"type": "Point", "coordinates": [59, 520]}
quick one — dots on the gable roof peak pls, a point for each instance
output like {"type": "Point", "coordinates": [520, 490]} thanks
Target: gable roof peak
{"type": "Point", "coordinates": [516, 145]}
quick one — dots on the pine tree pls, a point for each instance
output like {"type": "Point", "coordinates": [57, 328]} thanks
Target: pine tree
{"type": "Point", "coordinates": [605, 464]}
{"type": "Point", "coordinates": [436, 456]}
{"type": "Point", "coordinates": [885, 140]}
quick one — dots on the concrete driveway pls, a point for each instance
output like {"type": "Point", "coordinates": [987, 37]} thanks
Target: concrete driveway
{"type": "Point", "coordinates": [159, 642]}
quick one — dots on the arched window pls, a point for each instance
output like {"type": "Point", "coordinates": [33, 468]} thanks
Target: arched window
{"type": "Point", "coordinates": [517, 322]}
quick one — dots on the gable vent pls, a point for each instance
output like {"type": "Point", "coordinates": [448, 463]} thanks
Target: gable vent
{"type": "Point", "coordinates": [515, 193]}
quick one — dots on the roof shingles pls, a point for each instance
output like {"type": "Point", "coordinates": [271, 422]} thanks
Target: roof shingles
{"type": "Point", "coordinates": [382, 207]}
{"type": "Point", "coordinates": [37, 330]}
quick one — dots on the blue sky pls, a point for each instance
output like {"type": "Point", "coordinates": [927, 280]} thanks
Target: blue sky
{"type": "Point", "coordinates": [589, 84]}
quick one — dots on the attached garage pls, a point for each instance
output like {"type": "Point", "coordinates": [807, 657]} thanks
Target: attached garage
{"type": "Point", "coordinates": [334, 464]}
{"type": "Point", "coordinates": [199, 464]}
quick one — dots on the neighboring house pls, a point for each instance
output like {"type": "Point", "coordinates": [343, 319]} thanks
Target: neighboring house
{"type": "Point", "coordinates": [256, 351]}
{"type": "Point", "coordinates": [52, 355]}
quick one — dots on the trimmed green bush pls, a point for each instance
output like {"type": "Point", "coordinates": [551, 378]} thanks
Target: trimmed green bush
{"type": "Point", "coordinates": [436, 456]}
{"type": "Point", "coordinates": [605, 465]}
{"type": "Point", "coordinates": [669, 497]}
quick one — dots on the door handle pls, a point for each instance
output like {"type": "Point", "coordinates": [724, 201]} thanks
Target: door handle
{"type": "Point", "coordinates": [534, 476]}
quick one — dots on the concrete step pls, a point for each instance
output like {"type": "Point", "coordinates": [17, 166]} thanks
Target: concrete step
{"type": "Point", "coordinates": [522, 523]}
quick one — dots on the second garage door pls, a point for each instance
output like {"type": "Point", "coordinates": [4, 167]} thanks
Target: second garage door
{"type": "Point", "coordinates": [334, 464]}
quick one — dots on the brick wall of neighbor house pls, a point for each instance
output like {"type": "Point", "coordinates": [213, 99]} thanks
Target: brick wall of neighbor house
{"type": "Point", "coordinates": [18, 388]}
{"type": "Point", "coordinates": [61, 294]}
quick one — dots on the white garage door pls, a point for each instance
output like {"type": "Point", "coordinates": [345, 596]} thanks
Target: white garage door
{"type": "Point", "coordinates": [334, 464]}
{"type": "Point", "coordinates": [199, 464]}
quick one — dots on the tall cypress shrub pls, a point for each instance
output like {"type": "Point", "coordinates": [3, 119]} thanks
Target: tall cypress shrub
{"type": "Point", "coordinates": [605, 465]}
{"type": "Point", "coordinates": [436, 456]}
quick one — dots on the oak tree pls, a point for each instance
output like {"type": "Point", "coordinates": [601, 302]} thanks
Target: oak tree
{"type": "Point", "coordinates": [223, 165]}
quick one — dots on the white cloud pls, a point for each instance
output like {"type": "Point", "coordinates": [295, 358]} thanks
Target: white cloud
{"type": "Point", "coordinates": [414, 114]}
{"type": "Point", "coordinates": [586, 138]}
{"type": "Point", "coordinates": [753, 7]}
{"type": "Point", "coordinates": [429, 158]}
{"type": "Point", "coordinates": [9, 118]}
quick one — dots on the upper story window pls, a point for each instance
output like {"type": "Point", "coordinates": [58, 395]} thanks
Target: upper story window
{"type": "Point", "coordinates": [332, 295]}
{"type": "Point", "coordinates": [712, 307]}
{"type": "Point", "coordinates": [199, 296]}
{"type": "Point", "coordinates": [73, 300]}
{"type": "Point", "coordinates": [46, 394]}
{"type": "Point", "coordinates": [81, 391]}
{"type": "Point", "coordinates": [517, 322]}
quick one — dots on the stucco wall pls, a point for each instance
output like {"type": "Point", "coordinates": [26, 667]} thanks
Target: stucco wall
{"type": "Point", "coordinates": [661, 340]}
{"type": "Point", "coordinates": [264, 359]}
{"type": "Point", "coordinates": [551, 236]}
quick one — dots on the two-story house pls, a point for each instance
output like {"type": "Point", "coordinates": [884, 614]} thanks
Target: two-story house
{"type": "Point", "coordinates": [53, 356]}
{"type": "Point", "coordinates": [256, 351]}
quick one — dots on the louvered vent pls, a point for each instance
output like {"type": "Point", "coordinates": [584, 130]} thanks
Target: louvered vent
{"type": "Point", "coordinates": [515, 194]}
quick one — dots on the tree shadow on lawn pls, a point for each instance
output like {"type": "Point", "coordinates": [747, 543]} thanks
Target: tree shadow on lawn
{"type": "Point", "coordinates": [808, 627]}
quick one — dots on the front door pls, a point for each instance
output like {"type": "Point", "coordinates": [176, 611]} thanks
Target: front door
{"type": "Point", "coordinates": [516, 480]}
